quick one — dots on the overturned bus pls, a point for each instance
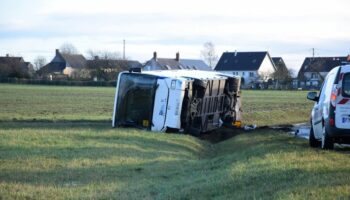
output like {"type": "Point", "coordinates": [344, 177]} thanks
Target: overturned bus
{"type": "Point", "coordinates": [189, 101]}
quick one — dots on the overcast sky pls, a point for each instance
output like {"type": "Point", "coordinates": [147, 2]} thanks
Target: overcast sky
{"type": "Point", "coordinates": [289, 29]}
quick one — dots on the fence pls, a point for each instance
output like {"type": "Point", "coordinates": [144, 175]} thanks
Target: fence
{"type": "Point", "coordinates": [58, 82]}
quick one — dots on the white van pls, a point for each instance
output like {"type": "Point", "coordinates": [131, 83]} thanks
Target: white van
{"type": "Point", "coordinates": [330, 116]}
{"type": "Point", "coordinates": [192, 101]}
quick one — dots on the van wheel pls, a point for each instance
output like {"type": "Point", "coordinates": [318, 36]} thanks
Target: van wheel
{"type": "Point", "coordinates": [312, 140]}
{"type": "Point", "coordinates": [327, 142]}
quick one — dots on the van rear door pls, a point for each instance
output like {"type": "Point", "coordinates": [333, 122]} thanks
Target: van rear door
{"type": "Point", "coordinates": [342, 115]}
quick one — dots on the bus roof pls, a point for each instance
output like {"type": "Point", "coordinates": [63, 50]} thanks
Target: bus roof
{"type": "Point", "coordinates": [189, 74]}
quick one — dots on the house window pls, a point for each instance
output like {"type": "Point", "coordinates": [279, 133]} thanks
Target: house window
{"type": "Point", "coordinates": [251, 74]}
{"type": "Point", "coordinates": [242, 73]}
{"type": "Point", "coordinates": [314, 75]}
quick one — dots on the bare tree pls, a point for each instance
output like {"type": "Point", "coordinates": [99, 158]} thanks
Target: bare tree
{"type": "Point", "coordinates": [208, 54]}
{"type": "Point", "coordinates": [282, 77]}
{"type": "Point", "coordinates": [68, 48]}
{"type": "Point", "coordinates": [39, 62]}
{"type": "Point", "coordinates": [105, 65]}
{"type": "Point", "coordinates": [265, 75]}
{"type": "Point", "coordinates": [103, 55]}
{"type": "Point", "coordinates": [14, 69]}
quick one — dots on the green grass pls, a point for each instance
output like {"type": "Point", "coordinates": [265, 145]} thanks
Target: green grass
{"type": "Point", "coordinates": [93, 161]}
{"type": "Point", "coordinates": [275, 107]}
{"type": "Point", "coordinates": [56, 143]}
{"type": "Point", "coordinates": [57, 103]}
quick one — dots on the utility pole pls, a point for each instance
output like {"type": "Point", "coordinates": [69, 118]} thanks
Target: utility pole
{"type": "Point", "coordinates": [123, 49]}
{"type": "Point", "coordinates": [313, 52]}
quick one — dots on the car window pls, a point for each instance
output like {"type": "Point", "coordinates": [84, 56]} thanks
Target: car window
{"type": "Point", "coordinates": [327, 87]}
{"type": "Point", "coordinates": [321, 91]}
{"type": "Point", "coordinates": [330, 83]}
{"type": "Point", "coordinates": [346, 85]}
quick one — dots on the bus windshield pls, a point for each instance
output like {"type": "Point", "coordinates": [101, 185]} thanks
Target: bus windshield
{"type": "Point", "coordinates": [135, 100]}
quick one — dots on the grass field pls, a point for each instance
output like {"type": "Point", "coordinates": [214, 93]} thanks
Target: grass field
{"type": "Point", "coordinates": [275, 107]}
{"type": "Point", "coordinates": [56, 103]}
{"type": "Point", "coordinates": [57, 143]}
{"type": "Point", "coordinates": [45, 161]}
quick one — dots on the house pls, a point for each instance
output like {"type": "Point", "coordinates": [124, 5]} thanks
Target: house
{"type": "Point", "coordinates": [107, 69]}
{"type": "Point", "coordinates": [253, 67]}
{"type": "Point", "coordinates": [113, 64]}
{"type": "Point", "coordinates": [15, 67]}
{"type": "Point", "coordinates": [174, 63]}
{"type": "Point", "coordinates": [315, 69]}
{"type": "Point", "coordinates": [279, 64]}
{"type": "Point", "coordinates": [196, 64]}
{"type": "Point", "coordinates": [63, 64]}
{"type": "Point", "coordinates": [282, 77]}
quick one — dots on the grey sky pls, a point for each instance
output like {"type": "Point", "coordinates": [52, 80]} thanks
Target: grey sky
{"type": "Point", "coordinates": [285, 28]}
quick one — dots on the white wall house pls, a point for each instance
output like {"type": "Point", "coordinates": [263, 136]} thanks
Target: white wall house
{"type": "Point", "coordinates": [253, 67]}
{"type": "Point", "coordinates": [315, 69]}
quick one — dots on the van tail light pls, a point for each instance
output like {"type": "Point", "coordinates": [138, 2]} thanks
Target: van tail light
{"type": "Point", "coordinates": [334, 94]}
{"type": "Point", "coordinates": [331, 122]}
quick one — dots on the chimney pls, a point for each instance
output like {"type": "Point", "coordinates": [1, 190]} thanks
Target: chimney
{"type": "Point", "coordinates": [177, 58]}
{"type": "Point", "coordinates": [57, 51]}
{"type": "Point", "coordinates": [155, 55]}
{"type": "Point", "coordinates": [7, 55]}
{"type": "Point", "coordinates": [96, 58]}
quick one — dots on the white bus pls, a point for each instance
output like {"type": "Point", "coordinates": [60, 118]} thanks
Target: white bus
{"type": "Point", "coordinates": [189, 101]}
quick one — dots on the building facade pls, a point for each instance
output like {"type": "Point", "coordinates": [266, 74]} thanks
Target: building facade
{"type": "Point", "coordinates": [253, 67]}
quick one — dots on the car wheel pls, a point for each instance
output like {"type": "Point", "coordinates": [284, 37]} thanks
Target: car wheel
{"type": "Point", "coordinates": [312, 140]}
{"type": "Point", "coordinates": [327, 142]}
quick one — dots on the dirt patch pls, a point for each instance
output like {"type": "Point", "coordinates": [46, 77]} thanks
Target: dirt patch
{"type": "Point", "coordinates": [223, 133]}
{"type": "Point", "coordinates": [220, 134]}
